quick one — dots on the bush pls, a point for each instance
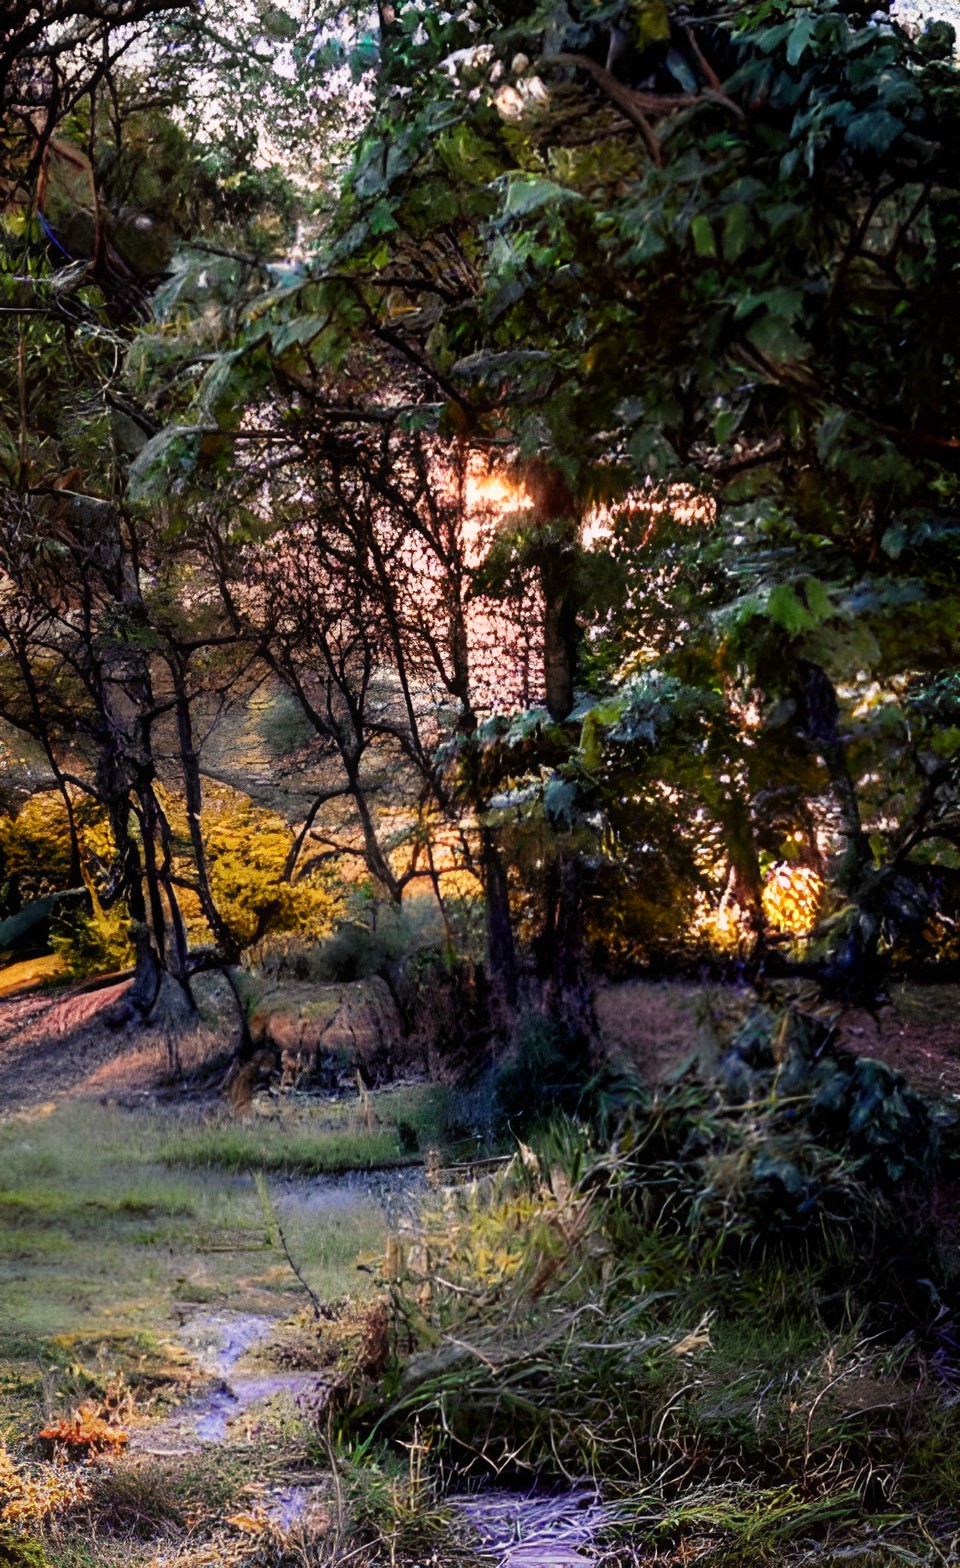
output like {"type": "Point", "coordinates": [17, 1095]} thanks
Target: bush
{"type": "Point", "coordinates": [91, 944]}
{"type": "Point", "coordinates": [655, 1311]}
{"type": "Point", "coordinates": [16, 1551]}
{"type": "Point", "coordinates": [545, 1071]}
{"type": "Point", "coordinates": [391, 939]}
{"type": "Point", "coordinates": [35, 846]}
{"type": "Point", "coordinates": [750, 1251]}
{"type": "Point", "coordinates": [247, 849]}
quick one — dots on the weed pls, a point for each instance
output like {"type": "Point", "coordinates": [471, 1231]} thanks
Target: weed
{"type": "Point", "coordinates": [713, 1309]}
{"type": "Point", "coordinates": [393, 1506]}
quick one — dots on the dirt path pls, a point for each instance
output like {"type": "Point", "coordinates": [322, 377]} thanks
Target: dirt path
{"type": "Point", "coordinates": [59, 1041]}
{"type": "Point", "coordinates": [52, 1041]}
{"type": "Point", "coordinates": [917, 1034]}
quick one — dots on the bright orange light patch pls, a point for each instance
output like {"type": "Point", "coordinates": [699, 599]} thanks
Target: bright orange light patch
{"type": "Point", "coordinates": [791, 899]}
{"type": "Point", "coordinates": [496, 491]}
{"type": "Point", "coordinates": [84, 1432]}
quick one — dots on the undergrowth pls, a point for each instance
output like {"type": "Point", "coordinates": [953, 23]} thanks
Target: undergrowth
{"type": "Point", "coordinates": [722, 1306]}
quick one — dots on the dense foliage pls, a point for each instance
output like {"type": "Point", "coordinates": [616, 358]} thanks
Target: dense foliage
{"type": "Point", "coordinates": [556, 506]}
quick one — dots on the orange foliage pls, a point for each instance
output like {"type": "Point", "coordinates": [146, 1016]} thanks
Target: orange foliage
{"type": "Point", "coordinates": [85, 1432]}
{"type": "Point", "coordinates": [26, 1499]}
{"type": "Point", "coordinates": [257, 1522]}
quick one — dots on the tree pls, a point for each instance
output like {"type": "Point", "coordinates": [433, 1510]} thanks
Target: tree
{"type": "Point", "coordinates": [730, 286]}
{"type": "Point", "coordinates": [674, 278]}
{"type": "Point", "coordinates": [103, 666]}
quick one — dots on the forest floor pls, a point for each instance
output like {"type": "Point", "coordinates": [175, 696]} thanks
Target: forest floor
{"type": "Point", "coordinates": [154, 1246]}
{"type": "Point", "coordinates": [148, 1277]}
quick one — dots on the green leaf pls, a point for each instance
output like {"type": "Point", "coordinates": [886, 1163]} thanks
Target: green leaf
{"type": "Point", "coordinates": [818, 599]}
{"type": "Point", "coordinates": [786, 608]}
{"type": "Point", "coordinates": [381, 218]}
{"type": "Point", "coordinates": [874, 132]}
{"type": "Point", "coordinates": [651, 24]}
{"type": "Point", "coordinates": [301, 330]}
{"type": "Point", "coordinates": [738, 230]}
{"type": "Point", "coordinates": [681, 71]}
{"type": "Point", "coordinates": [701, 232]}
{"type": "Point", "coordinates": [784, 303]}
{"type": "Point", "coordinates": [775, 338]}
{"type": "Point", "coordinates": [165, 464]}
{"type": "Point", "coordinates": [559, 795]}
{"type": "Point", "coordinates": [800, 36]}
{"type": "Point", "coordinates": [529, 194]}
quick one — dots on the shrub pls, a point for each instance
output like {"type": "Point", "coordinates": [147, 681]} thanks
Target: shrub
{"type": "Point", "coordinates": [16, 1551]}
{"type": "Point", "coordinates": [359, 949]}
{"type": "Point", "coordinates": [35, 846]}
{"type": "Point", "coordinates": [247, 849]}
{"type": "Point", "coordinates": [545, 1071]}
{"type": "Point", "coordinates": [97, 943]}
{"type": "Point", "coordinates": [718, 1303]}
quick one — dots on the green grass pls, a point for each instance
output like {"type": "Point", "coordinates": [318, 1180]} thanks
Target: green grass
{"type": "Point", "coordinates": [324, 1138]}
{"type": "Point", "coordinates": [731, 1422]}
{"type": "Point", "coordinates": [109, 1218]}
{"type": "Point", "coordinates": [238, 1149]}
{"type": "Point", "coordinates": [114, 1225]}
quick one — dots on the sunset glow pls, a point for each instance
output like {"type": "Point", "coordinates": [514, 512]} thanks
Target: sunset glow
{"type": "Point", "coordinates": [495, 491]}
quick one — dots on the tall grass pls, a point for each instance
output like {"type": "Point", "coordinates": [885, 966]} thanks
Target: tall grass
{"type": "Point", "coordinates": [739, 1373]}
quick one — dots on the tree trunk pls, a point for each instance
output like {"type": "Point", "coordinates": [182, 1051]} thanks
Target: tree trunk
{"type": "Point", "coordinates": [147, 975]}
{"type": "Point", "coordinates": [556, 513]}
{"type": "Point", "coordinates": [559, 634]}
{"type": "Point", "coordinates": [565, 993]}
{"type": "Point", "coordinates": [819, 714]}
{"type": "Point", "coordinates": [745, 881]}
{"type": "Point", "coordinates": [501, 952]}
{"type": "Point", "coordinates": [157, 1000]}
{"type": "Point", "coordinates": [244, 1049]}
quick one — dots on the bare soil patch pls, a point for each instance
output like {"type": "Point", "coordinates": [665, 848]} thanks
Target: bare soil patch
{"type": "Point", "coordinates": [917, 1034]}
{"type": "Point", "coordinates": [667, 1027]}
{"type": "Point", "coordinates": [59, 1042]}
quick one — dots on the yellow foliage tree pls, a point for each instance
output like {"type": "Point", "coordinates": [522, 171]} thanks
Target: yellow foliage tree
{"type": "Point", "coordinates": [35, 845]}
{"type": "Point", "coordinates": [247, 849]}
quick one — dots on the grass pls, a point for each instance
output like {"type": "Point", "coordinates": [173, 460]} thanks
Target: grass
{"type": "Point", "coordinates": [385, 1131]}
{"type": "Point", "coordinates": [643, 1308]}
{"type": "Point", "coordinates": [162, 1510]}
{"type": "Point", "coordinates": [116, 1224]}
{"type": "Point", "coordinates": [299, 1153]}
{"type": "Point", "coordinates": [109, 1218]}
{"type": "Point", "coordinates": [744, 1391]}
